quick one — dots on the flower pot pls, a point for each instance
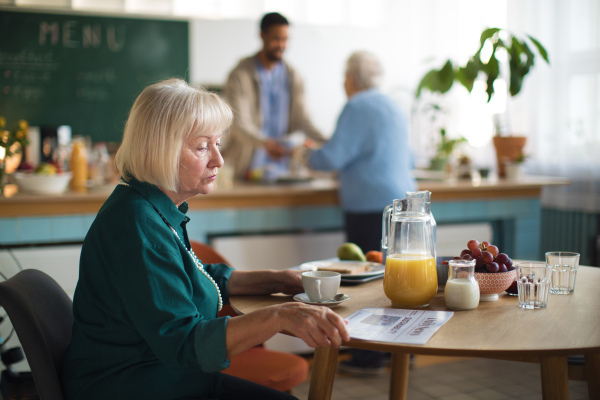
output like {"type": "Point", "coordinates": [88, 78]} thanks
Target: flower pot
{"type": "Point", "coordinates": [513, 171]}
{"type": "Point", "coordinates": [508, 148]}
{"type": "Point", "coordinates": [438, 164]}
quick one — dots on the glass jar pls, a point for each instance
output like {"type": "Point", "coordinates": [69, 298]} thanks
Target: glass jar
{"type": "Point", "coordinates": [462, 289]}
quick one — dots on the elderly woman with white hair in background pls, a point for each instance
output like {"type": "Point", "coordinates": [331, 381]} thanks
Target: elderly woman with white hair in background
{"type": "Point", "coordinates": [370, 151]}
{"type": "Point", "coordinates": [145, 306]}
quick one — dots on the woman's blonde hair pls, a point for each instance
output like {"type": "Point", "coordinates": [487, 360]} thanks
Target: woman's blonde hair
{"type": "Point", "coordinates": [162, 117]}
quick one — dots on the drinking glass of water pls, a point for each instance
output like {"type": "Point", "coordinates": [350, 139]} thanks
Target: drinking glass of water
{"type": "Point", "coordinates": [564, 271]}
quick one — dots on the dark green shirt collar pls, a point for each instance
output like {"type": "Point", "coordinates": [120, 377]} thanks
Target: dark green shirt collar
{"type": "Point", "coordinates": [174, 215]}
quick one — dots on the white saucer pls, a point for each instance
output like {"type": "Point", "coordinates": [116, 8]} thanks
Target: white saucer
{"type": "Point", "coordinates": [303, 297]}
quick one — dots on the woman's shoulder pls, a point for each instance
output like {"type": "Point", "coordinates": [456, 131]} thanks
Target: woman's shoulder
{"type": "Point", "coordinates": [126, 211]}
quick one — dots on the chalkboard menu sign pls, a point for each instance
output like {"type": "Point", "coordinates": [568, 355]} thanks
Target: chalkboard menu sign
{"type": "Point", "coordinates": [84, 71]}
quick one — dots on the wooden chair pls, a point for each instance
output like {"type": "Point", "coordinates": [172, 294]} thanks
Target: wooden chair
{"type": "Point", "coordinates": [275, 369]}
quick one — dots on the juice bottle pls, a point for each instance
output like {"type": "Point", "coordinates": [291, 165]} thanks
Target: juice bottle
{"type": "Point", "coordinates": [410, 280]}
{"type": "Point", "coordinates": [78, 165]}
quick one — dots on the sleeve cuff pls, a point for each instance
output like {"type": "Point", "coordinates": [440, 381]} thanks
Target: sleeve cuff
{"type": "Point", "coordinates": [210, 344]}
{"type": "Point", "coordinates": [220, 273]}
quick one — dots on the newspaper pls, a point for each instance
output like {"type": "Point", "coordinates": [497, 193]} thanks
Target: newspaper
{"type": "Point", "coordinates": [396, 325]}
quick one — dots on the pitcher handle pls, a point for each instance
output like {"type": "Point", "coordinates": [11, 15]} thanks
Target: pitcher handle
{"type": "Point", "coordinates": [385, 228]}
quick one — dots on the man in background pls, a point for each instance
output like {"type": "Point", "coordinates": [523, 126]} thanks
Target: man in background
{"type": "Point", "coordinates": [267, 96]}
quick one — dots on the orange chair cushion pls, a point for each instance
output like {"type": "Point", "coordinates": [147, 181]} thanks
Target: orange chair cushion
{"type": "Point", "coordinates": [275, 369]}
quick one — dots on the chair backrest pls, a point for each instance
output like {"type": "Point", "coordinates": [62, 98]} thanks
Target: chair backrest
{"type": "Point", "coordinates": [207, 254]}
{"type": "Point", "coordinates": [42, 315]}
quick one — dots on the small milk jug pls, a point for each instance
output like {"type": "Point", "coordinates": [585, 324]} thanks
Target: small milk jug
{"type": "Point", "coordinates": [462, 289]}
{"type": "Point", "coordinates": [408, 244]}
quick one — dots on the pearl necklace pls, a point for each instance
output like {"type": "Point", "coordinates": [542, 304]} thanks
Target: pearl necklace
{"type": "Point", "coordinates": [191, 253]}
{"type": "Point", "coordinates": [200, 267]}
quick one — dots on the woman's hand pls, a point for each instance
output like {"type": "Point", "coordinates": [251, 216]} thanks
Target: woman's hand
{"type": "Point", "coordinates": [318, 326]}
{"type": "Point", "coordinates": [286, 281]}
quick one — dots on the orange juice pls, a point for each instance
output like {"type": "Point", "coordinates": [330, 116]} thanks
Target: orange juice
{"type": "Point", "coordinates": [410, 280]}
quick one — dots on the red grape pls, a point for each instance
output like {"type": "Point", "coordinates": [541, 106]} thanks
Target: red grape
{"type": "Point", "coordinates": [467, 257]}
{"type": "Point", "coordinates": [476, 253]}
{"type": "Point", "coordinates": [466, 251]}
{"type": "Point", "coordinates": [473, 244]}
{"type": "Point", "coordinates": [456, 258]}
{"type": "Point", "coordinates": [479, 263]}
{"type": "Point", "coordinates": [502, 268]}
{"type": "Point", "coordinates": [509, 263]}
{"type": "Point", "coordinates": [513, 288]}
{"type": "Point", "coordinates": [484, 245]}
{"type": "Point", "coordinates": [502, 258]}
{"type": "Point", "coordinates": [492, 267]}
{"type": "Point", "coordinates": [487, 257]}
{"type": "Point", "coordinates": [493, 249]}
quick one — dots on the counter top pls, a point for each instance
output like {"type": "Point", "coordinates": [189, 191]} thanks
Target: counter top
{"type": "Point", "coordinates": [321, 191]}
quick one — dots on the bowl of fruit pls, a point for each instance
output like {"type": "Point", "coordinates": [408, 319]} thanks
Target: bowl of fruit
{"type": "Point", "coordinates": [45, 179]}
{"type": "Point", "coordinates": [494, 271]}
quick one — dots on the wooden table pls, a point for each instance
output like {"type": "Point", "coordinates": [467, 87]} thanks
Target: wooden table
{"type": "Point", "coordinates": [500, 330]}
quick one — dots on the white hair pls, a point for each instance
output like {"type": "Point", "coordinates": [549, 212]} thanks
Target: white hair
{"type": "Point", "coordinates": [365, 68]}
{"type": "Point", "coordinates": [162, 117]}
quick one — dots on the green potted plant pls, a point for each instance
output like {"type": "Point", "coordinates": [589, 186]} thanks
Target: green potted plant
{"type": "Point", "coordinates": [445, 146]}
{"type": "Point", "coordinates": [444, 150]}
{"type": "Point", "coordinates": [520, 55]}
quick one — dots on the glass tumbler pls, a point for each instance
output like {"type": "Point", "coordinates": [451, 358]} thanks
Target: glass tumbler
{"type": "Point", "coordinates": [534, 284]}
{"type": "Point", "coordinates": [564, 271]}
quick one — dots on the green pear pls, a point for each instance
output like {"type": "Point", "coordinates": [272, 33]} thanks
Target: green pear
{"type": "Point", "coordinates": [350, 251]}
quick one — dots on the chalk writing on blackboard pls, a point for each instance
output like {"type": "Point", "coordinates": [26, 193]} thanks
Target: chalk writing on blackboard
{"type": "Point", "coordinates": [84, 71]}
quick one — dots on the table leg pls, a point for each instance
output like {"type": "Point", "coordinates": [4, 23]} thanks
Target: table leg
{"type": "Point", "coordinates": [555, 378]}
{"type": "Point", "coordinates": [592, 373]}
{"type": "Point", "coordinates": [399, 376]}
{"type": "Point", "coordinates": [323, 373]}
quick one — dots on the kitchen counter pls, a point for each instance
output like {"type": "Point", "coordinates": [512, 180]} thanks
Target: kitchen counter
{"type": "Point", "coordinates": [511, 208]}
{"type": "Point", "coordinates": [318, 192]}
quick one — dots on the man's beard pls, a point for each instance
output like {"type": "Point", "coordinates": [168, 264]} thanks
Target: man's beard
{"type": "Point", "coordinates": [274, 55]}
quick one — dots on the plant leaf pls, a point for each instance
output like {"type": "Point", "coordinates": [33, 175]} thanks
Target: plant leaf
{"type": "Point", "coordinates": [487, 34]}
{"type": "Point", "coordinates": [492, 69]}
{"type": "Point", "coordinates": [516, 79]}
{"type": "Point", "coordinates": [437, 80]}
{"type": "Point", "coordinates": [540, 49]}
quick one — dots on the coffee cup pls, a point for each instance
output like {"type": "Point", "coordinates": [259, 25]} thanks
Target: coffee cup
{"type": "Point", "coordinates": [321, 286]}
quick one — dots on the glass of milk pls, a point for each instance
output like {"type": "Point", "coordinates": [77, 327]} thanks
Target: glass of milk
{"type": "Point", "coordinates": [462, 289]}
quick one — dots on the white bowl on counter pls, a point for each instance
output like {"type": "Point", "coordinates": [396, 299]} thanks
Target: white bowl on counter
{"type": "Point", "coordinates": [42, 184]}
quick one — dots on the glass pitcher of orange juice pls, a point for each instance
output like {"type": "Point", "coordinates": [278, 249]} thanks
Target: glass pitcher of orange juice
{"type": "Point", "coordinates": [410, 278]}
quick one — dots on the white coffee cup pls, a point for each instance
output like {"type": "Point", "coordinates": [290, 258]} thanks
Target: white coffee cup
{"type": "Point", "coordinates": [321, 285]}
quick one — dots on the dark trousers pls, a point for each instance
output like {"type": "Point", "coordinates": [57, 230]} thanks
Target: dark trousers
{"type": "Point", "coordinates": [241, 389]}
{"type": "Point", "coordinates": [364, 230]}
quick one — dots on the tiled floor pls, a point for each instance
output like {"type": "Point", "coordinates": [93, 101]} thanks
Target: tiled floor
{"type": "Point", "coordinates": [464, 379]}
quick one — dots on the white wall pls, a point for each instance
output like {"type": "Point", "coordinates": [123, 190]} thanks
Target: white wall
{"type": "Point", "coordinates": [411, 38]}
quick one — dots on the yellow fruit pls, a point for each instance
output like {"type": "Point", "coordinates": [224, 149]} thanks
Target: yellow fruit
{"type": "Point", "coordinates": [45, 169]}
{"type": "Point", "coordinates": [351, 252]}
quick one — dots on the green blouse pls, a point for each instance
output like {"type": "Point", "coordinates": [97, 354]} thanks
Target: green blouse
{"type": "Point", "coordinates": [146, 323]}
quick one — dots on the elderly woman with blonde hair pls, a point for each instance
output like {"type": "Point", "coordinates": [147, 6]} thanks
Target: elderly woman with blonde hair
{"type": "Point", "coordinates": [145, 307]}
